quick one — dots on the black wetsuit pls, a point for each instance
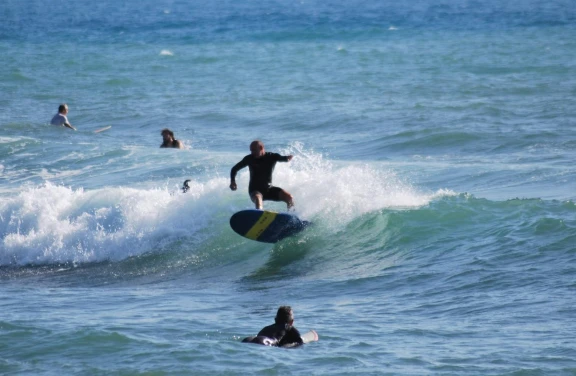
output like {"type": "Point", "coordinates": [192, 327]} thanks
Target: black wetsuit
{"type": "Point", "coordinates": [173, 144]}
{"type": "Point", "coordinates": [261, 170]}
{"type": "Point", "coordinates": [281, 335]}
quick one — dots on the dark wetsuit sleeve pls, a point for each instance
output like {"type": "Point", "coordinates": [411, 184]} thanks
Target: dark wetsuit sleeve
{"type": "Point", "coordinates": [292, 337]}
{"type": "Point", "coordinates": [281, 158]}
{"type": "Point", "coordinates": [239, 166]}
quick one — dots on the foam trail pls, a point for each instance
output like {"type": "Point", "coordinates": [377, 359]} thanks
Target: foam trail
{"type": "Point", "coordinates": [346, 192]}
{"type": "Point", "coordinates": [56, 224]}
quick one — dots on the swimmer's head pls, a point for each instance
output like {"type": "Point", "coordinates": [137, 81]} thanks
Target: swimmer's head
{"type": "Point", "coordinates": [167, 137]}
{"type": "Point", "coordinates": [63, 109]}
{"type": "Point", "coordinates": [284, 315]}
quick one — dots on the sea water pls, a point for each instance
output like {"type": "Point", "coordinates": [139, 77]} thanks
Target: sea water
{"type": "Point", "coordinates": [434, 144]}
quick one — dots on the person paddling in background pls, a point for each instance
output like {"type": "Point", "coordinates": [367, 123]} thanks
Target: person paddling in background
{"type": "Point", "coordinates": [168, 140]}
{"type": "Point", "coordinates": [60, 118]}
{"type": "Point", "coordinates": [281, 333]}
{"type": "Point", "coordinates": [261, 165]}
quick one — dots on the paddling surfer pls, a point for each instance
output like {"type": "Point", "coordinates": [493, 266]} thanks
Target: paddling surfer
{"type": "Point", "coordinates": [60, 118]}
{"type": "Point", "coordinates": [281, 333]}
{"type": "Point", "coordinates": [261, 165]}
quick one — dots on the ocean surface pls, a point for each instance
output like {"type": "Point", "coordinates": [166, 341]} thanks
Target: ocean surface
{"type": "Point", "coordinates": [434, 147]}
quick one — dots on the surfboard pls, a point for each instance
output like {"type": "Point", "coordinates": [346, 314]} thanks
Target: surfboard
{"type": "Point", "coordinates": [310, 336]}
{"type": "Point", "coordinates": [102, 129]}
{"type": "Point", "coordinates": [266, 226]}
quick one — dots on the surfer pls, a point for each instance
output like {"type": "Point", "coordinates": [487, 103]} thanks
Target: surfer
{"type": "Point", "coordinates": [186, 186]}
{"type": "Point", "coordinates": [261, 165]}
{"type": "Point", "coordinates": [168, 140]}
{"type": "Point", "coordinates": [281, 333]}
{"type": "Point", "coordinates": [60, 118]}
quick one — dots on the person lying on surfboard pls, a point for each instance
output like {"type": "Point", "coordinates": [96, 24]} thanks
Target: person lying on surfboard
{"type": "Point", "coordinates": [261, 165]}
{"type": "Point", "coordinates": [281, 333]}
{"type": "Point", "coordinates": [60, 118]}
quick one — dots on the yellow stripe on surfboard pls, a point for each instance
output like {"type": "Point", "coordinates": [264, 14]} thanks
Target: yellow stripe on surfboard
{"type": "Point", "coordinates": [261, 225]}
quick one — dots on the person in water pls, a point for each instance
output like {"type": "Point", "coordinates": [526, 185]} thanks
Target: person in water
{"type": "Point", "coordinates": [168, 140]}
{"type": "Point", "coordinates": [281, 334]}
{"type": "Point", "coordinates": [261, 165]}
{"type": "Point", "coordinates": [186, 186]}
{"type": "Point", "coordinates": [60, 118]}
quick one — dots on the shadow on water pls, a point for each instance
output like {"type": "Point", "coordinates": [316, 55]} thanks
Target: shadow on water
{"type": "Point", "coordinates": [142, 269]}
{"type": "Point", "coordinates": [354, 249]}
{"type": "Point", "coordinates": [285, 260]}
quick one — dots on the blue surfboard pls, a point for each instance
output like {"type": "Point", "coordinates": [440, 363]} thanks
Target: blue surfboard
{"type": "Point", "coordinates": [266, 226]}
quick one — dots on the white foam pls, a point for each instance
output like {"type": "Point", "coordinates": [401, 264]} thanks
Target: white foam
{"type": "Point", "coordinates": [56, 224]}
{"type": "Point", "coordinates": [166, 53]}
{"type": "Point", "coordinates": [347, 190]}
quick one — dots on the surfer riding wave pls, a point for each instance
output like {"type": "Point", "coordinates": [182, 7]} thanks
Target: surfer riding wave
{"type": "Point", "coordinates": [261, 165]}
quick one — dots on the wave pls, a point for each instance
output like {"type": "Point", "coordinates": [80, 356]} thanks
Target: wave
{"type": "Point", "coordinates": [52, 224]}
{"type": "Point", "coordinates": [451, 232]}
{"type": "Point", "coordinates": [464, 143]}
{"type": "Point", "coordinates": [366, 220]}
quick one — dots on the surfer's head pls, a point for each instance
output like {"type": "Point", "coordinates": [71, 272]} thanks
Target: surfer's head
{"type": "Point", "coordinates": [167, 136]}
{"type": "Point", "coordinates": [167, 132]}
{"type": "Point", "coordinates": [63, 109]}
{"type": "Point", "coordinates": [257, 148]}
{"type": "Point", "coordinates": [284, 315]}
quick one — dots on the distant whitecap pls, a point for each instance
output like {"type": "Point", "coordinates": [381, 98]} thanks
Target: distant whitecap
{"type": "Point", "coordinates": [392, 28]}
{"type": "Point", "coordinates": [166, 53]}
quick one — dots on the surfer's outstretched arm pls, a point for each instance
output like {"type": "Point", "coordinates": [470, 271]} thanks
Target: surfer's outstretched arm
{"type": "Point", "coordinates": [237, 167]}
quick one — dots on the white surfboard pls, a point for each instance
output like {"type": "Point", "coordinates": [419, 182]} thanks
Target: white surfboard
{"type": "Point", "coordinates": [310, 336]}
{"type": "Point", "coordinates": [102, 129]}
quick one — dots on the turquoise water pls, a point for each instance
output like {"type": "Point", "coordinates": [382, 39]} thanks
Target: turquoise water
{"type": "Point", "coordinates": [434, 147]}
